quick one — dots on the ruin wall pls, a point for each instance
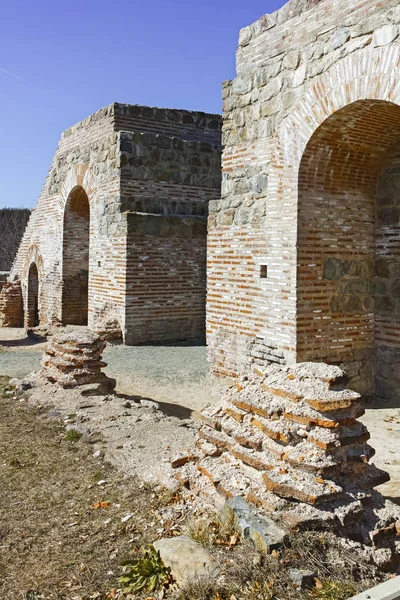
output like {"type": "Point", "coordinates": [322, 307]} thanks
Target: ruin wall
{"type": "Point", "coordinates": [295, 68]}
{"type": "Point", "coordinates": [166, 278]}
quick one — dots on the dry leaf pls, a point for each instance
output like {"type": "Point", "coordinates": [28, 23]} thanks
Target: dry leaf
{"type": "Point", "coordinates": [318, 583]}
{"type": "Point", "coordinates": [234, 539]}
{"type": "Point", "coordinates": [275, 554]}
{"type": "Point", "coordinates": [319, 480]}
{"type": "Point", "coordinates": [105, 504]}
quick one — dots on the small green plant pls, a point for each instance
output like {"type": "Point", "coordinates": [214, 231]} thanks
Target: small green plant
{"type": "Point", "coordinates": [73, 435]}
{"type": "Point", "coordinates": [332, 590]}
{"type": "Point", "coordinates": [15, 463]}
{"type": "Point", "coordinates": [32, 595]}
{"type": "Point", "coordinates": [147, 572]}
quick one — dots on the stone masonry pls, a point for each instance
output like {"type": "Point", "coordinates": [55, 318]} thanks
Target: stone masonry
{"type": "Point", "coordinates": [303, 245]}
{"type": "Point", "coordinates": [118, 237]}
{"type": "Point", "coordinates": [287, 439]}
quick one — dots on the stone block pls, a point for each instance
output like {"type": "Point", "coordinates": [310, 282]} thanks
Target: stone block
{"type": "Point", "coordinates": [263, 531]}
{"type": "Point", "coordinates": [188, 560]}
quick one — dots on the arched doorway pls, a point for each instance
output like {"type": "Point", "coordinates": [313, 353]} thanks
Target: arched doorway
{"type": "Point", "coordinates": [76, 258]}
{"type": "Point", "coordinates": [348, 255]}
{"type": "Point", "coordinates": [32, 315]}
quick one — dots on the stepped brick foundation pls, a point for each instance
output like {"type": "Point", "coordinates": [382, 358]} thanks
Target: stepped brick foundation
{"type": "Point", "coordinates": [74, 359]}
{"type": "Point", "coordinates": [288, 440]}
{"type": "Point", "coordinates": [11, 310]}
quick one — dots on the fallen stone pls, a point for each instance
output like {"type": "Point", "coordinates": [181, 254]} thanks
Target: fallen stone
{"type": "Point", "coordinates": [301, 578]}
{"type": "Point", "coordinates": [149, 404]}
{"type": "Point", "coordinates": [263, 531]}
{"type": "Point", "coordinates": [188, 560]}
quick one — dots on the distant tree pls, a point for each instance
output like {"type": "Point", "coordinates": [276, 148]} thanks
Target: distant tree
{"type": "Point", "coordinates": [12, 226]}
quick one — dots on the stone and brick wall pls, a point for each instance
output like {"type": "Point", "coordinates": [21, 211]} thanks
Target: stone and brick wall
{"type": "Point", "coordinates": [166, 278]}
{"type": "Point", "coordinates": [122, 159]}
{"type": "Point", "coordinates": [292, 240]}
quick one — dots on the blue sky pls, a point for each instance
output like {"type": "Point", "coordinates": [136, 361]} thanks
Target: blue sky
{"type": "Point", "coordinates": [65, 60]}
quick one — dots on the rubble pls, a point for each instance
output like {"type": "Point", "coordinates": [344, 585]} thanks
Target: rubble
{"type": "Point", "coordinates": [288, 441]}
{"type": "Point", "coordinates": [74, 359]}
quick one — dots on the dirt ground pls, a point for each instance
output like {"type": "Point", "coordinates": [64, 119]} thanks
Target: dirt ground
{"type": "Point", "coordinates": [53, 540]}
{"type": "Point", "coordinates": [178, 378]}
{"type": "Point", "coordinates": [73, 506]}
{"type": "Point", "coordinates": [69, 519]}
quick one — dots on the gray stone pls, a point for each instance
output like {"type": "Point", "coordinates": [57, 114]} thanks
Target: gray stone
{"type": "Point", "coordinates": [340, 37]}
{"type": "Point", "coordinates": [188, 560]}
{"type": "Point", "coordinates": [302, 578]}
{"type": "Point", "coordinates": [385, 35]}
{"type": "Point", "coordinates": [26, 384]}
{"type": "Point", "coordinates": [291, 60]}
{"type": "Point", "coordinates": [149, 404]}
{"type": "Point", "coordinates": [263, 531]}
{"type": "Point", "coordinates": [299, 76]}
{"type": "Point", "coordinates": [241, 85]}
{"type": "Point", "coordinates": [245, 36]}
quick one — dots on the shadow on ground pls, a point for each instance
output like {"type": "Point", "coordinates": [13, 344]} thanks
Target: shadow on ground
{"type": "Point", "coordinates": [169, 409]}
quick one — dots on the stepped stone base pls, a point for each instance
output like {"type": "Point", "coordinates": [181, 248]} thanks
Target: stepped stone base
{"type": "Point", "coordinates": [74, 359]}
{"type": "Point", "coordinates": [288, 440]}
{"type": "Point", "coordinates": [11, 311]}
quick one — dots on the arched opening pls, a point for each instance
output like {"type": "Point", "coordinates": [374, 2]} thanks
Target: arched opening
{"type": "Point", "coordinates": [348, 261]}
{"type": "Point", "coordinates": [32, 316]}
{"type": "Point", "coordinates": [76, 258]}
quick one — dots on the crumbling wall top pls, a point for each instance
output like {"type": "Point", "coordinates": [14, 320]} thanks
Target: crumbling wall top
{"type": "Point", "coordinates": [301, 22]}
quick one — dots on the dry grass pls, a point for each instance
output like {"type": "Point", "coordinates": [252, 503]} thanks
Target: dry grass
{"type": "Point", "coordinates": [249, 575]}
{"type": "Point", "coordinates": [214, 530]}
{"type": "Point", "coordinates": [53, 544]}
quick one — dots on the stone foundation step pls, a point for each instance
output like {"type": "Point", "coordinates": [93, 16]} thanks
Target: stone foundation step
{"type": "Point", "coordinates": [59, 349]}
{"type": "Point", "coordinates": [291, 433]}
{"type": "Point", "coordinates": [289, 482]}
{"type": "Point", "coordinates": [77, 363]}
{"type": "Point", "coordinates": [228, 478]}
{"type": "Point", "coordinates": [315, 393]}
{"type": "Point", "coordinates": [347, 460]}
{"type": "Point", "coordinates": [330, 374]}
{"type": "Point", "coordinates": [368, 478]}
{"type": "Point", "coordinates": [270, 406]}
{"type": "Point", "coordinates": [243, 433]}
{"type": "Point", "coordinates": [304, 458]}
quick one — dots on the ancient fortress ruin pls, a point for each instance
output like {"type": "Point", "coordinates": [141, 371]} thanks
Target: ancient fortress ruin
{"type": "Point", "coordinates": [118, 238]}
{"type": "Point", "coordinates": [304, 245]}
{"type": "Point", "coordinates": [303, 254]}
{"type": "Point", "coordinates": [303, 260]}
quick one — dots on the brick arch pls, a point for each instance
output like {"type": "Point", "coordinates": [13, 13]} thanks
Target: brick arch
{"type": "Point", "coordinates": [75, 256]}
{"type": "Point", "coordinates": [33, 271]}
{"type": "Point", "coordinates": [367, 74]}
{"type": "Point", "coordinates": [34, 255]}
{"type": "Point", "coordinates": [78, 175]}
{"type": "Point", "coordinates": [348, 223]}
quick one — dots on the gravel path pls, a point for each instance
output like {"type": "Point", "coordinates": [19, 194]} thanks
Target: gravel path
{"type": "Point", "coordinates": [176, 374]}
